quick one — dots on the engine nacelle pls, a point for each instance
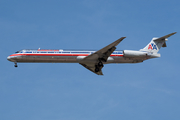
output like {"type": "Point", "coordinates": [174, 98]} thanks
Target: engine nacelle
{"type": "Point", "coordinates": [131, 53]}
{"type": "Point", "coordinates": [80, 57]}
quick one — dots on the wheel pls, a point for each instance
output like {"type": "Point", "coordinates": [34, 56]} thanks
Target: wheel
{"type": "Point", "coordinates": [100, 64]}
{"type": "Point", "coordinates": [96, 69]}
{"type": "Point", "coordinates": [15, 65]}
{"type": "Point", "coordinates": [102, 59]}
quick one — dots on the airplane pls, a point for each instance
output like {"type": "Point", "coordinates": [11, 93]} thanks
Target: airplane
{"type": "Point", "coordinates": [92, 60]}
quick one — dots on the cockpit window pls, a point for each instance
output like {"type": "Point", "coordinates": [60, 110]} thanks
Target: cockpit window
{"type": "Point", "coordinates": [17, 52]}
{"type": "Point", "coordinates": [20, 51]}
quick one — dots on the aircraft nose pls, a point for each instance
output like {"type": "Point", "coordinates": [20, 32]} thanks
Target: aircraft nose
{"type": "Point", "coordinates": [9, 58]}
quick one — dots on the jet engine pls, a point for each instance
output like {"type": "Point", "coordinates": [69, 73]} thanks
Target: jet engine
{"type": "Point", "coordinates": [131, 53]}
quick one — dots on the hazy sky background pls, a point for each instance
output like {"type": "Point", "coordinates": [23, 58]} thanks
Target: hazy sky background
{"type": "Point", "coordinates": [46, 91]}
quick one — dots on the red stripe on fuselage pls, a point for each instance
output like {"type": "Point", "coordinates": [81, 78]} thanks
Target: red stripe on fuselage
{"type": "Point", "coordinates": [59, 55]}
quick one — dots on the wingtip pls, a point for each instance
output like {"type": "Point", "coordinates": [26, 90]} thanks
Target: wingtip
{"type": "Point", "coordinates": [166, 36]}
{"type": "Point", "coordinates": [122, 38]}
{"type": "Point", "coordinates": [172, 34]}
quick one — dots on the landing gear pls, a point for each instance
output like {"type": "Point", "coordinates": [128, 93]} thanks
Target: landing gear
{"type": "Point", "coordinates": [102, 59]}
{"type": "Point", "coordinates": [97, 69]}
{"type": "Point", "coordinates": [15, 65]}
{"type": "Point", "coordinates": [99, 66]}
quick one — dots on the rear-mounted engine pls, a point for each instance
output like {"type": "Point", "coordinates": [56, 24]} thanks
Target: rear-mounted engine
{"type": "Point", "coordinates": [131, 53]}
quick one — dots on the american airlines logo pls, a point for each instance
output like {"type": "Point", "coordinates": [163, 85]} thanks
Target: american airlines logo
{"type": "Point", "coordinates": [152, 46]}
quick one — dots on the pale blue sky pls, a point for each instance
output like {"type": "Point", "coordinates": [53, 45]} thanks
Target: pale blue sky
{"type": "Point", "coordinates": [42, 91]}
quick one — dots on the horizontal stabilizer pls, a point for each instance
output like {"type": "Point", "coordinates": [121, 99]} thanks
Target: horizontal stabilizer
{"type": "Point", "coordinates": [166, 36]}
{"type": "Point", "coordinates": [157, 43]}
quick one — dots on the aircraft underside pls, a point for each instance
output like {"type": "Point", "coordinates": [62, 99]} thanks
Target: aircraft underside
{"type": "Point", "coordinates": [71, 59]}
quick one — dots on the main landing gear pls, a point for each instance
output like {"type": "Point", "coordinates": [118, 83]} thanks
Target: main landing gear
{"type": "Point", "coordinates": [15, 64]}
{"type": "Point", "coordinates": [98, 66]}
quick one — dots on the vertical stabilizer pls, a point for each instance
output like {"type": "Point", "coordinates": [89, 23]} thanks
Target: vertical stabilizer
{"type": "Point", "coordinates": [157, 43]}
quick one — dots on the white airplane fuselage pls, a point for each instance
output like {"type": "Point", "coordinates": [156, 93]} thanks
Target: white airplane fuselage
{"type": "Point", "coordinates": [67, 56]}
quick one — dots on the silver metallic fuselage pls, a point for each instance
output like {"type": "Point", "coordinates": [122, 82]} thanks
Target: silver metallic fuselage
{"type": "Point", "coordinates": [64, 56]}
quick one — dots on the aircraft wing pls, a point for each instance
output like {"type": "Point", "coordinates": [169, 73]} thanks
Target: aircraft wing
{"type": "Point", "coordinates": [100, 55]}
{"type": "Point", "coordinates": [92, 67]}
{"type": "Point", "coordinates": [105, 52]}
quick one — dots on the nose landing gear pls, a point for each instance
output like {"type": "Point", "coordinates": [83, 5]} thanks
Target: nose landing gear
{"type": "Point", "coordinates": [15, 64]}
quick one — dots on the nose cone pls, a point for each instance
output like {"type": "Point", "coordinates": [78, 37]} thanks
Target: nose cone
{"type": "Point", "coordinates": [9, 58]}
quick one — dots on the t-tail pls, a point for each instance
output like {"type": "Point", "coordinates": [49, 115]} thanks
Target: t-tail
{"type": "Point", "coordinates": [156, 43]}
{"type": "Point", "coordinates": [150, 51]}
